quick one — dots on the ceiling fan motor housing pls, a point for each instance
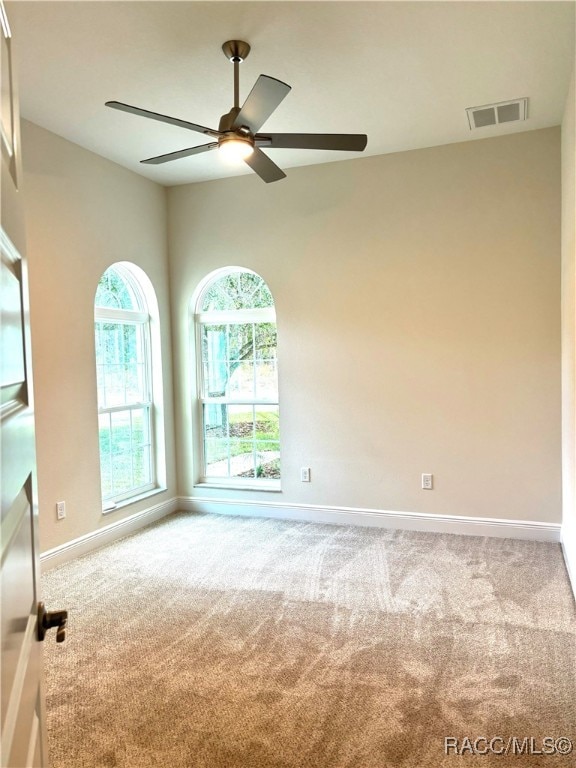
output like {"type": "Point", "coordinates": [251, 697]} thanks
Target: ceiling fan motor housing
{"type": "Point", "coordinates": [227, 120]}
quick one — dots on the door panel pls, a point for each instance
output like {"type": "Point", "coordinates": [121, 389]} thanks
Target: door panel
{"type": "Point", "coordinates": [17, 605]}
{"type": "Point", "coordinates": [22, 717]}
{"type": "Point", "coordinates": [21, 708]}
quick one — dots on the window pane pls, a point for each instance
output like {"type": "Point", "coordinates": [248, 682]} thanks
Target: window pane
{"type": "Point", "coordinates": [267, 442]}
{"type": "Point", "coordinates": [241, 341]}
{"type": "Point", "coordinates": [238, 290]}
{"type": "Point", "coordinates": [265, 375]}
{"type": "Point", "coordinates": [216, 440]}
{"type": "Point", "coordinates": [241, 418]}
{"type": "Point", "coordinates": [215, 378]}
{"type": "Point", "coordinates": [215, 421]}
{"type": "Point", "coordinates": [115, 291]}
{"type": "Point", "coordinates": [216, 458]}
{"type": "Point", "coordinates": [267, 459]}
{"type": "Point", "coordinates": [241, 384]}
{"type": "Point", "coordinates": [140, 428]}
{"type": "Point", "coordinates": [266, 380]}
{"type": "Point", "coordinates": [121, 450]}
{"type": "Point", "coordinates": [141, 466]}
{"type": "Point", "coordinates": [217, 298]}
{"type": "Point", "coordinates": [141, 445]}
{"type": "Point", "coordinates": [263, 298]}
{"type": "Point", "coordinates": [105, 454]}
{"type": "Point", "coordinates": [121, 364]}
{"type": "Point", "coordinates": [214, 342]}
{"type": "Point", "coordinates": [241, 429]}
{"type": "Point", "coordinates": [215, 355]}
{"type": "Point", "coordinates": [265, 334]}
{"type": "Point", "coordinates": [267, 422]}
{"type": "Point", "coordinates": [241, 440]}
{"type": "Point", "coordinates": [125, 439]}
{"type": "Point", "coordinates": [135, 381]}
{"type": "Point", "coordinates": [242, 458]}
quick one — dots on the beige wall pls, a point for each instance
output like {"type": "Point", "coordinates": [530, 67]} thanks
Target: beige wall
{"type": "Point", "coordinates": [568, 329]}
{"type": "Point", "coordinates": [83, 214]}
{"type": "Point", "coordinates": [418, 310]}
{"type": "Point", "coordinates": [417, 297]}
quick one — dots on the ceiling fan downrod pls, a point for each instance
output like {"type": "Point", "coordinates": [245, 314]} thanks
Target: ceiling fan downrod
{"type": "Point", "coordinates": [236, 51]}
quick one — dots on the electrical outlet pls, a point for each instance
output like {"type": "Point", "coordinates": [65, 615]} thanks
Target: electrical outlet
{"type": "Point", "coordinates": [60, 510]}
{"type": "Point", "coordinates": [427, 482]}
{"type": "Point", "coordinates": [305, 474]}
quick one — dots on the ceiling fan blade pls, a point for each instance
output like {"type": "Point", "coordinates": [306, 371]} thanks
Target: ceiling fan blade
{"type": "Point", "coordinates": [162, 118]}
{"type": "Point", "coordinates": [262, 100]}
{"type": "Point", "coordinates": [264, 167]}
{"type": "Point", "coordinates": [347, 142]}
{"type": "Point", "coordinates": [181, 153]}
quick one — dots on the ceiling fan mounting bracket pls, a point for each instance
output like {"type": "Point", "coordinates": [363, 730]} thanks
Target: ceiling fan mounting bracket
{"type": "Point", "coordinates": [236, 50]}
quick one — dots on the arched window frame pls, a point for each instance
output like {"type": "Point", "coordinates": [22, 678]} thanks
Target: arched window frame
{"type": "Point", "coordinates": [145, 317]}
{"type": "Point", "coordinates": [227, 317]}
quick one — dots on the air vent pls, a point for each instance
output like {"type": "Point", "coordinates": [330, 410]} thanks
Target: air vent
{"type": "Point", "coordinates": [494, 114]}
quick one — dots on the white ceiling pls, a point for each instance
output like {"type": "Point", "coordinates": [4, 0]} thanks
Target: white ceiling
{"type": "Point", "coordinates": [401, 72]}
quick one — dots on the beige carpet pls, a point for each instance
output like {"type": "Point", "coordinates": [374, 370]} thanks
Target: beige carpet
{"type": "Point", "coordinates": [215, 642]}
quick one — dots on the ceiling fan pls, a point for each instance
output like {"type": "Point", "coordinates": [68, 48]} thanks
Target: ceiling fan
{"type": "Point", "coordinates": [237, 135]}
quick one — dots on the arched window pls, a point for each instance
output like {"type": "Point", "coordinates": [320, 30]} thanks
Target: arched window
{"type": "Point", "coordinates": [238, 376]}
{"type": "Point", "coordinates": [127, 424]}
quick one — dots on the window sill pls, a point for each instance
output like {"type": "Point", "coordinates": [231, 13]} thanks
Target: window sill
{"type": "Point", "coordinates": [115, 506]}
{"type": "Point", "coordinates": [270, 486]}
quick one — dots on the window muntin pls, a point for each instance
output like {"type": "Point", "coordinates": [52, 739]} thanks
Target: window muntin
{"type": "Point", "coordinates": [236, 327]}
{"type": "Point", "coordinates": [125, 404]}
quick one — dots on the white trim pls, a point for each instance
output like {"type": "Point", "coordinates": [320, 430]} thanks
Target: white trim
{"type": "Point", "coordinates": [238, 401]}
{"type": "Point", "coordinates": [6, 31]}
{"type": "Point", "coordinates": [106, 535]}
{"type": "Point", "coordinates": [413, 521]}
{"type": "Point", "coordinates": [7, 246]}
{"type": "Point", "coordinates": [235, 484]}
{"type": "Point", "coordinates": [109, 506]}
{"type": "Point", "coordinates": [568, 539]}
{"type": "Point", "coordinates": [120, 316]}
{"type": "Point", "coordinates": [126, 407]}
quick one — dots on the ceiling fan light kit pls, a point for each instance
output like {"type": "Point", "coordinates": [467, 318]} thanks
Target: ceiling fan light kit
{"type": "Point", "coordinates": [238, 134]}
{"type": "Point", "coordinates": [234, 148]}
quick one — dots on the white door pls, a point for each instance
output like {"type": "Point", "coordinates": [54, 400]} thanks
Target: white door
{"type": "Point", "coordinates": [23, 737]}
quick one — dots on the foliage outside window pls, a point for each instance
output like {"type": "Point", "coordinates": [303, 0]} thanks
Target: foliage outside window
{"type": "Point", "coordinates": [123, 364]}
{"type": "Point", "coordinates": [236, 327]}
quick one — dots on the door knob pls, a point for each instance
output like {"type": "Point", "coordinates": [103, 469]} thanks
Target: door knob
{"type": "Point", "coordinates": [48, 620]}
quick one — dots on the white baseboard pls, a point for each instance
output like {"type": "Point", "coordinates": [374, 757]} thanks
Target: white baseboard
{"type": "Point", "coordinates": [569, 550]}
{"type": "Point", "coordinates": [413, 521]}
{"type": "Point", "coordinates": [106, 535]}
